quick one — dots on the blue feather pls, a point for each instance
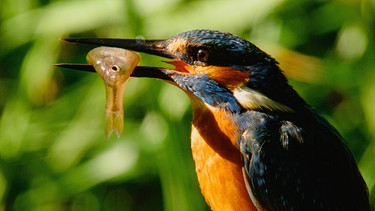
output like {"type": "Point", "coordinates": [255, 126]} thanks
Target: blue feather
{"type": "Point", "coordinates": [208, 90]}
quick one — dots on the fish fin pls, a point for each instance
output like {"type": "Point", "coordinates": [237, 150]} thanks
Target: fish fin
{"type": "Point", "coordinates": [114, 121]}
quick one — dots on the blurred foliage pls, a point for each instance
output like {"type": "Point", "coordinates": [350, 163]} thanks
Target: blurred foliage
{"type": "Point", "coordinates": [53, 151]}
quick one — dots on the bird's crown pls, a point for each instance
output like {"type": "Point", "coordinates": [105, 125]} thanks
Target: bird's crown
{"type": "Point", "coordinates": [208, 47]}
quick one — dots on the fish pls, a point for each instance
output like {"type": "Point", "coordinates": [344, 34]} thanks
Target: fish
{"type": "Point", "coordinates": [114, 66]}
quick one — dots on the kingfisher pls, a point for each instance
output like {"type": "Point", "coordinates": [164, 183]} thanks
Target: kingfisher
{"type": "Point", "coordinates": [256, 144]}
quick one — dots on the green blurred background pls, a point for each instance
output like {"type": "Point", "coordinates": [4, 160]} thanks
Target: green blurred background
{"type": "Point", "coordinates": [54, 154]}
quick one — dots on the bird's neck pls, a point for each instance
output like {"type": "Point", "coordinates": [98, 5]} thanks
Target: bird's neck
{"type": "Point", "coordinates": [217, 158]}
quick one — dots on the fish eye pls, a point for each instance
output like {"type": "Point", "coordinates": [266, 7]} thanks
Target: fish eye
{"type": "Point", "coordinates": [202, 55]}
{"type": "Point", "coordinates": [114, 68]}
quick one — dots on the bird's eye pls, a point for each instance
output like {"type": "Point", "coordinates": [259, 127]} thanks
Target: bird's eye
{"type": "Point", "coordinates": [202, 55]}
{"type": "Point", "coordinates": [114, 68]}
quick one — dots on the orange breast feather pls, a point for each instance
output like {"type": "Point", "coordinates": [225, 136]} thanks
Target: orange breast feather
{"type": "Point", "coordinates": [217, 159]}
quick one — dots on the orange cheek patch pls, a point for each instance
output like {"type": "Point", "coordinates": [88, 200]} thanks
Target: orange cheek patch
{"type": "Point", "coordinates": [225, 76]}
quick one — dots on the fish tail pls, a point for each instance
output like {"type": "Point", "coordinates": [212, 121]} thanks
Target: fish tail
{"type": "Point", "coordinates": [114, 121]}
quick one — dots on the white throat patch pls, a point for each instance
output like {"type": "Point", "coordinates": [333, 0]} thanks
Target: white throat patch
{"type": "Point", "coordinates": [254, 100]}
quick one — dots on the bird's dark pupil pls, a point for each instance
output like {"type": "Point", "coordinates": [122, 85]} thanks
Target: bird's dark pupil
{"type": "Point", "coordinates": [202, 55]}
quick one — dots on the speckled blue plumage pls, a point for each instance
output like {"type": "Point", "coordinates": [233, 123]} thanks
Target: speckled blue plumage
{"type": "Point", "coordinates": [208, 90]}
{"type": "Point", "coordinates": [226, 48]}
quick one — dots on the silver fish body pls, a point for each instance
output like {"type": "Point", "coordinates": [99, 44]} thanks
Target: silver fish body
{"type": "Point", "coordinates": [114, 66]}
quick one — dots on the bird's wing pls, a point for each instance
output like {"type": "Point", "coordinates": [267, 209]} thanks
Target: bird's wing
{"type": "Point", "coordinates": [267, 163]}
{"type": "Point", "coordinates": [288, 167]}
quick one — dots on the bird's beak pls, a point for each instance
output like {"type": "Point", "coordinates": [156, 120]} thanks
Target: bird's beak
{"type": "Point", "coordinates": [153, 47]}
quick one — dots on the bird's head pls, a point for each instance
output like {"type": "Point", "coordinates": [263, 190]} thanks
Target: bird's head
{"type": "Point", "coordinates": [221, 69]}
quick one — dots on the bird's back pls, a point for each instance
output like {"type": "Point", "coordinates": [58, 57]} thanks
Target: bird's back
{"type": "Point", "coordinates": [300, 162]}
